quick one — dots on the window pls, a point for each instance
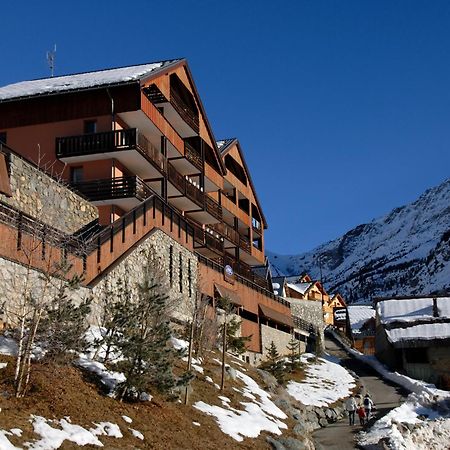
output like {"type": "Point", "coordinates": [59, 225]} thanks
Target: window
{"type": "Point", "coordinates": [2, 137]}
{"type": "Point", "coordinates": [90, 126]}
{"type": "Point", "coordinates": [416, 355]}
{"type": "Point", "coordinates": [76, 174]}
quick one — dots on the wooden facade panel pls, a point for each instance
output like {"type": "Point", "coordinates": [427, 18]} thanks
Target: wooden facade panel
{"type": "Point", "coordinates": [75, 105]}
{"type": "Point", "coordinates": [249, 328]}
{"type": "Point", "coordinates": [162, 124]}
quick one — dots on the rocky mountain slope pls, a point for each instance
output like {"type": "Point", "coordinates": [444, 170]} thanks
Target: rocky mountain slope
{"type": "Point", "coordinates": [406, 252]}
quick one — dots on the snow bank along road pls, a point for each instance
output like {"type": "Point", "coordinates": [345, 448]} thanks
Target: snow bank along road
{"type": "Point", "coordinates": [386, 396]}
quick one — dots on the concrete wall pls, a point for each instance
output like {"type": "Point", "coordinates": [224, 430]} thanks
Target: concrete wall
{"type": "Point", "coordinates": [38, 195]}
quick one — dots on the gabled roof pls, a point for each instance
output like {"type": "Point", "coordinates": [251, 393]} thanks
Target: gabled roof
{"type": "Point", "coordinates": [83, 81]}
{"type": "Point", "coordinates": [223, 144]}
{"type": "Point", "coordinates": [359, 315]}
{"type": "Point", "coordinates": [225, 147]}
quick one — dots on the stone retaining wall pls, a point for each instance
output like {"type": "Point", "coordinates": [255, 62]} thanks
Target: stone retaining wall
{"type": "Point", "coordinates": [37, 194]}
{"type": "Point", "coordinates": [180, 286]}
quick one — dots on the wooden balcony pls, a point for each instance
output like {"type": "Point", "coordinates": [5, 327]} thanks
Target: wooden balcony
{"type": "Point", "coordinates": [184, 111]}
{"type": "Point", "coordinates": [193, 156]}
{"type": "Point", "coordinates": [227, 232]}
{"type": "Point", "coordinates": [112, 143]}
{"type": "Point", "coordinates": [213, 208]}
{"type": "Point", "coordinates": [194, 194]}
{"type": "Point", "coordinates": [245, 244]}
{"type": "Point", "coordinates": [207, 243]}
{"type": "Point", "coordinates": [109, 190]}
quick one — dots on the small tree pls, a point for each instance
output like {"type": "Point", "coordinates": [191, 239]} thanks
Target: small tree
{"type": "Point", "coordinates": [274, 364]}
{"type": "Point", "coordinates": [293, 347]}
{"type": "Point", "coordinates": [236, 344]}
{"type": "Point", "coordinates": [143, 338]}
{"type": "Point", "coordinates": [64, 322]}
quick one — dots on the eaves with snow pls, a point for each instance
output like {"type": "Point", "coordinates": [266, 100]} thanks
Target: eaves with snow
{"type": "Point", "coordinates": [418, 320]}
{"type": "Point", "coordinates": [86, 80]}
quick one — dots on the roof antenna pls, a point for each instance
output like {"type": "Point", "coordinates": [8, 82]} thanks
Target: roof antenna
{"type": "Point", "coordinates": [51, 56]}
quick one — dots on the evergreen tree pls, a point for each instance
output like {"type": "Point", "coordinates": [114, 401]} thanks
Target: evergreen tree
{"type": "Point", "coordinates": [64, 321]}
{"type": "Point", "coordinates": [274, 365]}
{"type": "Point", "coordinates": [143, 338]}
{"type": "Point", "coordinates": [236, 344]}
{"type": "Point", "coordinates": [293, 347]}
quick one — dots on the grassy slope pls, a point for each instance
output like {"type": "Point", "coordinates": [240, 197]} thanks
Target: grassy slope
{"type": "Point", "coordinates": [57, 392]}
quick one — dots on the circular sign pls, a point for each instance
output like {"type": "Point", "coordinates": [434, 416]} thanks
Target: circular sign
{"type": "Point", "coordinates": [229, 270]}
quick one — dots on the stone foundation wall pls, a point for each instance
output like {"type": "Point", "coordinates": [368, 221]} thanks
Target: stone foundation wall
{"type": "Point", "coordinates": [280, 338]}
{"type": "Point", "coordinates": [43, 198]}
{"type": "Point", "coordinates": [177, 278]}
{"type": "Point", "coordinates": [16, 281]}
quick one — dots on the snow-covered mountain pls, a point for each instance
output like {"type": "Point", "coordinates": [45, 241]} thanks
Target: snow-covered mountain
{"type": "Point", "coordinates": [406, 252]}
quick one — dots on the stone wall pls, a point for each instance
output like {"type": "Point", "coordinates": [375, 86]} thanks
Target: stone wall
{"type": "Point", "coordinates": [280, 338]}
{"type": "Point", "coordinates": [16, 282]}
{"type": "Point", "coordinates": [180, 286]}
{"type": "Point", "coordinates": [43, 198]}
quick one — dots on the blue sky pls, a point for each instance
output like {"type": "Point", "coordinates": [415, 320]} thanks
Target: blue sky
{"type": "Point", "coordinates": [342, 107]}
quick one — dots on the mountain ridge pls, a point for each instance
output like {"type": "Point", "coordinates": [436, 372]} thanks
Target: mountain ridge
{"type": "Point", "coordinates": [405, 252]}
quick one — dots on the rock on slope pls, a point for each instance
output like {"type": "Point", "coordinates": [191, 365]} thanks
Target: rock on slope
{"type": "Point", "coordinates": [406, 252]}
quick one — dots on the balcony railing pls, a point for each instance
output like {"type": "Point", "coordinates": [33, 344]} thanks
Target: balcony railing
{"type": "Point", "coordinates": [193, 155]}
{"type": "Point", "coordinates": [184, 110]}
{"type": "Point", "coordinates": [213, 207]}
{"type": "Point", "coordinates": [193, 192]}
{"type": "Point", "coordinates": [203, 238]}
{"type": "Point", "coordinates": [109, 141]}
{"type": "Point", "coordinates": [114, 188]}
{"type": "Point", "coordinates": [244, 244]}
{"type": "Point", "coordinates": [227, 232]}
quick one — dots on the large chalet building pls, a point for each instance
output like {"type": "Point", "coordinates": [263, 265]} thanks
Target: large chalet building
{"type": "Point", "coordinates": [135, 144]}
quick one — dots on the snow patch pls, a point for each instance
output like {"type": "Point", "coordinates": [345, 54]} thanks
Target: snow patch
{"type": "Point", "coordinates": [137, 434]}
{"type": "Point", "coordinates": [325, 382]}
{"type": "Point", "coordinates": [257, 416]}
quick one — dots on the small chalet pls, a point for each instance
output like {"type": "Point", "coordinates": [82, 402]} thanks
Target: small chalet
{"type": "Point", "coordinates": [361, 328]}
{"type": "Point", "coordinates": [335, 311]}
{"type": "Point", "coordinates": [413, 335]}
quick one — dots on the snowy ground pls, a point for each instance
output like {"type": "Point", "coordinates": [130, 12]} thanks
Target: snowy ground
{"type": "Point", "coordinates": [51, 434]}
{"type": "Point", "coordinates": [421, 423]}
{"type": "Point", "coordinates": [325, 382]}
{"type": "Point", "coordinates": [257, 415]}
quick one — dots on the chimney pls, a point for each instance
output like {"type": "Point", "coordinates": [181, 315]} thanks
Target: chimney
{"type": "Point", "coordinates": [435, 308]}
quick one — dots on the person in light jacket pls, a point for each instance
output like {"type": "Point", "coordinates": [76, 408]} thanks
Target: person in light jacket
{"type": "Point", "coordinates": [368, 406]}
{"type": "Point", "coordinates": [350, 406]}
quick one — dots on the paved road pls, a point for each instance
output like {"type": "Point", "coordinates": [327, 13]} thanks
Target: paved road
{"type": "Point", "coordinates": [340, 436]}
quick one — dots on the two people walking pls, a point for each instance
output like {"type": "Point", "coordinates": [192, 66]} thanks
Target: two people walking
{"type": "Point", "coordinates": [361, 407]}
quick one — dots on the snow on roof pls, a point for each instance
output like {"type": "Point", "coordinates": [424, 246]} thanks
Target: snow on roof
{"type": "Point", "coordinates": [426, 331]}
{"type": "Point", "coordinates": [79, 81]}
{"type": "Point", "coordinates": [411, 309]}
{"type": "Point", "coordinates": [224, 143]}
{"type": "Point", "coordinates": [300, 287]}
{"type": "Point", "coordinates": [359, 315]}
